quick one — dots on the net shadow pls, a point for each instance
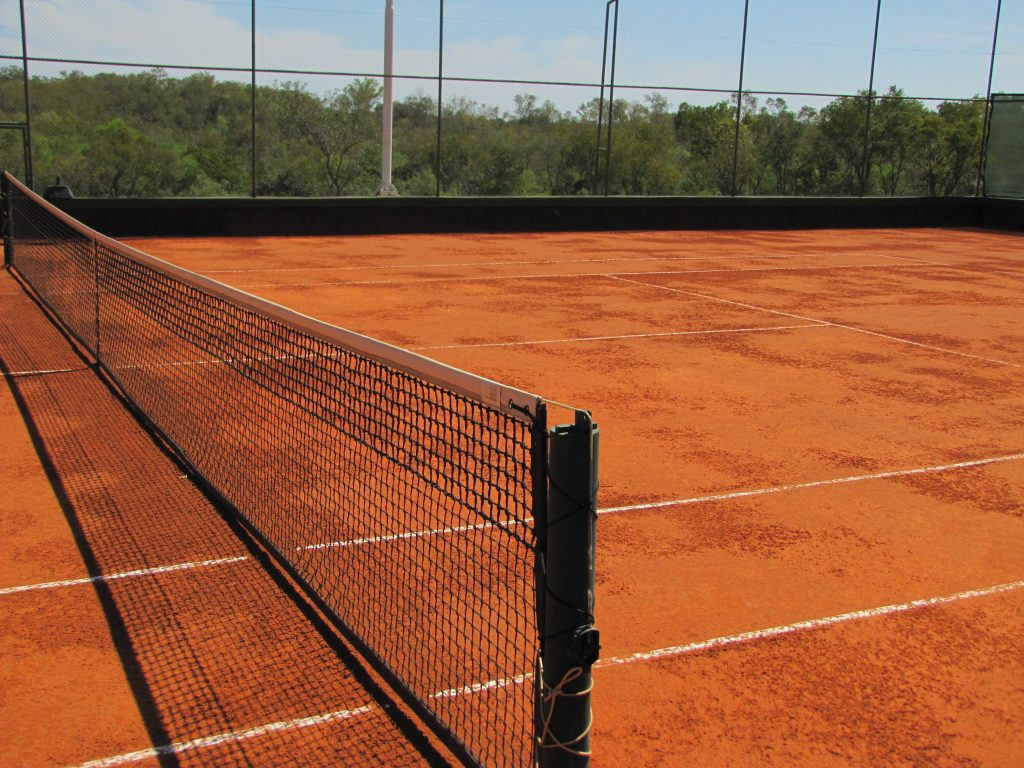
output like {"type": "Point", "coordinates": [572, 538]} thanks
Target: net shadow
{"type": "Point", "coordinates": [228, 664]}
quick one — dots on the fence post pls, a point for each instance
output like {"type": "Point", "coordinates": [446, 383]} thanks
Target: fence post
{"type": "Point", "coordinates": [987, 117]}
{"type": "Point", "coordinates": [866, 154]}
{"type": "Point", "coordinates": [739, 100]}
{"type": "Point", "coordinates": [28, 102]}
{"type": "Point", "coordinates": [440, 97]}
{"type": "Point", "coordinates": [611, 101]}
{"type": "Point", "coordinates": [570, 642]}
{"type": "Point", "coordinates": [252, 97]}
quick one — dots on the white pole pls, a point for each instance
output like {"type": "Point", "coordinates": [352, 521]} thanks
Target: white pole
{"type": "Point", "coordinates": [386, 187]}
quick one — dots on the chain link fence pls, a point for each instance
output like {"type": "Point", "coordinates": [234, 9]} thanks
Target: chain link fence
{"type": "Point", "coordinates": [150, 98]}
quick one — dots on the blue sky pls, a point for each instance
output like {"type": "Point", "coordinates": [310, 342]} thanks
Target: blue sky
{"type": "Point", "coordinates": [928, 47]}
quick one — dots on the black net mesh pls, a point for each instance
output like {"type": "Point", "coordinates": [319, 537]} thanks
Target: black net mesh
{"type": "Point", "coordinates": [405, 506]}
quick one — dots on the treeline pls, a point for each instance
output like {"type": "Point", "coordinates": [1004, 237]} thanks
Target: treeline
{"type": "Point", "coordinates": [148, 134]}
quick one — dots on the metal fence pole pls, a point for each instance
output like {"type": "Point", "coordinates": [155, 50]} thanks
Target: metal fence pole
{"type": "Point", "coordinates": [739, 99]}
{"type": "Point", "coordinates": [866, 170]}
{"type": "Point", "coordinates": [387, 187]}
{"type": "Point", "coordinates": [28, 102]}
{"type": "Point", "coordinates": [983, 158]}
{"type": "Point", "coordinates": [440, 96]}
{"type": "Point", "coordinates": [252, 97]}
{"type": "Point", "coordinates": [611, 100]}
{"type": "Point", "coordinates": [600, 98]}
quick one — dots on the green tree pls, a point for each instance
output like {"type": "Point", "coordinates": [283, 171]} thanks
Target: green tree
{"type": "Point", "coordinates": [558, 149]}
{"type": "Point", "coordinates": [895, 126]}
{"type": "Point", "coordinates": [479, 152]}
{"type": "Point", "coordinates": [708, 135]}
{"type": "Point", "coordinates": [415, 151]}
{"type": "Point", "coordinates": [154, 134]}
{"type": "Point", "coordinates": [340, 129]}
{"type": "Point", "coordinates": [778, 135]}
{"type": "Point", "coordinates": [645, 159]}
{"type": "Point", "coordinates": [842, 162]}
{"type": "Point", "coordinates": [949, 142]}
{"type": "Point", "coordinates": [127, 163]}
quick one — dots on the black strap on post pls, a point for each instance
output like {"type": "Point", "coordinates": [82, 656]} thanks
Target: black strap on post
{"type": "Point", "coordinates": [571, 643]}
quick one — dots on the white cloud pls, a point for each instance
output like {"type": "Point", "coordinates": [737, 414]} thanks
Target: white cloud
{"type": "Point", "coordinates": [179, 32]}
{"type": "Point", "coordinates": [135, 31]}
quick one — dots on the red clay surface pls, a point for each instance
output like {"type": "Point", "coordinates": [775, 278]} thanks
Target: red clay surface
{"type": "Point", "coordinates": [798, 428]}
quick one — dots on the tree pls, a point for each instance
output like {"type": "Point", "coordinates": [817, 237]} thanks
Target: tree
{"type": "Point", "coordinates": [480, 154]}
{"type": "Point", "coordinates": [127, 163]}
{"type": "Point", "coordinates": [777, 134]}
{"type": "Point", "coordinates": [842, 163]}
{"type": "Point", "coordinates": [341, 129]}
{"type": "Point", "coordinates": [646, 159]}
{"type": "Point", "coordinates": [949, 140]}
{"type": "Point", "coordinates": [708, 135]}
{"type": "Point", "coordinates": [895, 126]}
{"type": "Point", "coordinates": [154, 134]}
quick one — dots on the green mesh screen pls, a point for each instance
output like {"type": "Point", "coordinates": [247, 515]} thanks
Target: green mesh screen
{"type": "Point", "coordinates": [1004, 153]}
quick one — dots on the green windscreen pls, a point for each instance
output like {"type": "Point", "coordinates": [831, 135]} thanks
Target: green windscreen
{"type": "Point", "coordinates": [1004, 155]}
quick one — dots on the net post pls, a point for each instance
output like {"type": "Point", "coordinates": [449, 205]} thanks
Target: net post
{"type": "Point", "coordinates": [570, 641]}
{"type": "Point", "coordinates": [7, 224]}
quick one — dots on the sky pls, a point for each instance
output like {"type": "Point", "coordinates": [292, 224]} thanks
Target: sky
{"type": "Point", "coordinates": [930, 48]}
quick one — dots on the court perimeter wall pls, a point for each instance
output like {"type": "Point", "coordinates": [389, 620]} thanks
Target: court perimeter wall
{"type": "Point", "coordinates": [330, 216]}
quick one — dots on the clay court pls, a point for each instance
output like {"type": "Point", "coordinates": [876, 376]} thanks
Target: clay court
{"type": "Point", "coordinates": [811, 504]}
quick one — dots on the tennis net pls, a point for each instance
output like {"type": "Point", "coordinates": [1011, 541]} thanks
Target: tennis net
{"type": "Point", "coordinates": [406, 497]}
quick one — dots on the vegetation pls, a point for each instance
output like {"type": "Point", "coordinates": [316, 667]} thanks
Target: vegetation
{"type": "Point", "coordinates": [149, 134]}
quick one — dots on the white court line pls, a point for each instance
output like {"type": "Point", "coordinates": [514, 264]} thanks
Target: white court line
{"type": "Point", "coordinates": [527, 521]}
{"type": "Point", "coordinates": [387, 538]}
{"type": "Point", "coordinates": [123, 575]}
{"type": "Point", "coordinates": [22, 374]}
{"type": "Point", "coordinates": [496, 278]}
{"type": "Point", "coordinates": [524, 263]}
{"type": "Point", "coordinates": [621, 336]}
{"type": "Point", "coordinates": [911, 259]}
{"type": "Point", "coordinates": [961, 267]}
{"type": "Point", "coordinates": [817, 320]}
{"type": "Point", "coordinates": [490, 685]}
{"type": "Point", "coordinates": [814, 484]}
{"type": "Point", "coordinates": [335, 355]}
{"type": "Point", "coordinates": [763, 634]}
{"type": "Point", "coordinates": [424, 280]}
{"type": "Point", "coordinates": [816, 268]}
{"type": "Point", "coordinates": [179, 747]}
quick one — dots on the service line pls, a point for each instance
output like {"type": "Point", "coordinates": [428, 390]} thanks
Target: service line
{"type": "Point", "coordinates": [814, 484]}
{"type": "Point", "coordinates": [204, 742]}
{"type": "Point", "coordinates": [496, 278]}
{"type": "Point", "coordinates": [507, 524]}
{"type": "Point", "coordinates": [622, 336]}
{"type": "Point", "coordinates": [124, 575]}
{"type": "Point", "coordinates": [794, 316]}
{"type": "Point", "coordinates": [522, 263]}
{"type": "Point", "coordinates": [788, 629]}
{"type": "Point", "coordinates": [615, 661]}
{"type": "Point", "coordinates": [44, 372]}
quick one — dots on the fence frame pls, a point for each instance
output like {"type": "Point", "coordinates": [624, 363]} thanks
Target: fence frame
{"type": "Point", "coordinates": [604, 152]}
